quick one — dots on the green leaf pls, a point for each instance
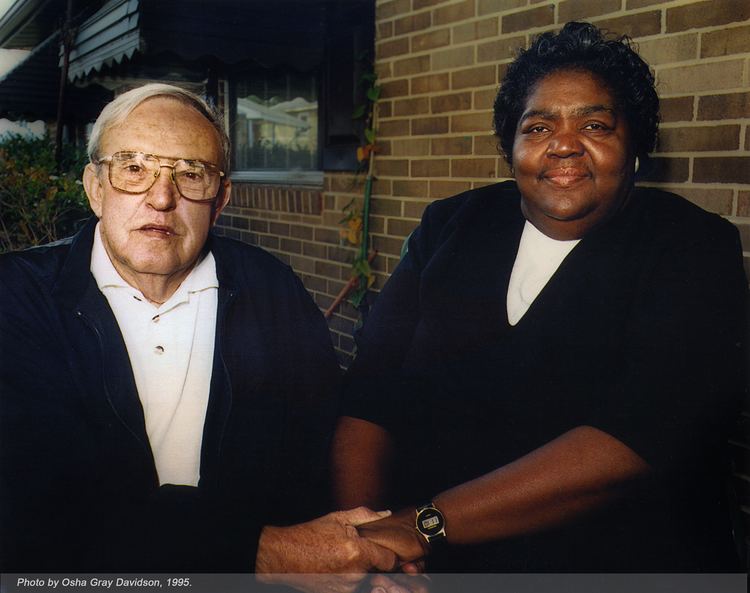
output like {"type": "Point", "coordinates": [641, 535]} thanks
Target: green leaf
{"type": "Point", "coordinates": [370, 135]}
{"type": "Point", "coordinates": [373, 93]}
{"type": "Point", "coordinates": [358, 112]}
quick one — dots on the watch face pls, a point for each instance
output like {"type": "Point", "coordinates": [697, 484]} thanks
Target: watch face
{"type": "Point", "coordinates": [430, 522]}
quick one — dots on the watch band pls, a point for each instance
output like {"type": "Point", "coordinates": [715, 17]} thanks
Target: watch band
{"type": "Point", "coordinates": [430, 523]}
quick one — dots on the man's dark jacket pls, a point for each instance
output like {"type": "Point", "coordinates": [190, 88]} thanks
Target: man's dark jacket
{"type": "Point", "coordinates": [78, 482]}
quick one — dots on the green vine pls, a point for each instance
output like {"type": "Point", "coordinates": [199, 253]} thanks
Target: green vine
{"type": "Point", "coordinates": [355, 222]}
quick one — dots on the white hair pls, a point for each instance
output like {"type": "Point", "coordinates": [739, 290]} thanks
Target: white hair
{"type": "Point", "coordinates": [115, 112]}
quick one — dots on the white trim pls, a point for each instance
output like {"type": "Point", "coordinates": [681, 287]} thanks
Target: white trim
{"type": "Point", "coordinates": [279, 177]}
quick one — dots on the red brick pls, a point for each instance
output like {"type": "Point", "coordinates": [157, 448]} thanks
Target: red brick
{"type": "Point", "coordinates": [418, 106]}
{"type": "Point", "coordinates": [416, 65]}
{"type": "Point", "coordinates": [669, 49]}
{"type": "Point", "coordinates": [431, 40]}
{"type": "Point", "coordinates": [735, 40]}
{"type": "Point", "coordinates": [429, 125]}
{"type": "Point", "coordinates": [713, 200]}
{"type": "Point", "coordinates": [401, 228]}
{"type": "Point", "coordinates": [385, 109]}
{"type": "Point", "coordinates": [388, 245]}
{"type": "Point", "coordinates": [453, 12]}
{"type": "Point", "coordinates": [699, 138]}
{"type": "Point", "coordinates": [729, 106]}
{"type": "Point", "coordinates": [499, 49]}
{"type": "Point", "coordinates": [576, 10]}
{"type": "Point", "coordinates": [395, 88]}
{"type": "Point", "coordinates": [475, 30]}
{"type": "Point", "coordinates": [706, 14]}
{"type": "Point", "coordinates": [445, 189]}
{"type": "Point", "coordinates": [411, 188]}
{"type": "Point", "coordinates": [473, 168]}
{"type": "Point", "coordinates": [385, 30]}
{"type": "Point", "coordinates": [453, 102]}
{"type": "Point", "coordinates": [301, 232]}
{"type": "Point", "coordinates": [417, 4]}
{"type": "Point", "coordinates": [326, 235]}
{"type": "Point", "coordinates": [497, 6]}
{"type": "Point", "coordinates": [394, 47]}
{"type": "Point", "coordinates": [392, 167]}
{"type": "Point", "coordinates": [473, 77]}
{"type": "Point", "coordinates": [668, 169]}
{"type": "Point", "coordinates": [429, 168]}
{"type": "Point", "coordinates": [399, 127]}
{"type": "Point", "coordinates": [432, 83]}
{"type": "Point", "coordinates": [722, 169]}
{"type": "Point", "coordinates": [414, 209]}
{"type": "Point", "coordinates": [387, 10]}
{"type": "Point", "coordinates": [637, 25]}
{"type": "Point", "coordinates": [412, 147]}
{"type": "Point", "coordinates": [486, 145]}
{"type": "Point", "coordinates": [314, 250]}
{"type": "Point", "coordinates": [528, 19]}
{"type": "Point", "coordinates": [453, 58]}
{"type": "Point", "coordinates": [743, 204]}
{"type": "Point", "coordinates": [676, 109]}
{"type": "Point", "coordinates": [631, 4]}
{"type": "Point", "coordinates": [412, 23]}
{"type": "Point", "coordinates": [290, 245]}
{"type": "Point", "coordinates": [484, 99]}
{"type": "Point", "coordinates": [701, 77]}
{"type": "Point", "coordinates": [386, 207]}
{"type": "Point", "coordinates": [471, 122]}
{"type": "Point", "coordinates": [458, 145]}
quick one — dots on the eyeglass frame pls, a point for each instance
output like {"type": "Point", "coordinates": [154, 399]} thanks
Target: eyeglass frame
{"type": "Point", "coordinates": [108, 161]}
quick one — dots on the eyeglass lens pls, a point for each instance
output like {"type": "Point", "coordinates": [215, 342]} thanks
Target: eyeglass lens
{"type": "Point", "coordinates": [135, 172]}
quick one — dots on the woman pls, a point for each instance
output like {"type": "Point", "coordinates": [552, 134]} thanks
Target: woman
{"type": "Point", "coordinates": [556, 361]}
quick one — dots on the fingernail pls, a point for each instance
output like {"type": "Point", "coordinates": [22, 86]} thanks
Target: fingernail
{"type": "Point", "coordinates": [385, 513]}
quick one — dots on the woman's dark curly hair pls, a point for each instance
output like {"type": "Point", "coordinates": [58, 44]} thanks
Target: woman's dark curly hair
{"type": "Point", "coordinates": [581, 46]}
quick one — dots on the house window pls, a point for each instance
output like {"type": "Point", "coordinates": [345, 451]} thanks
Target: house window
{"type": "Point", "coordinates": [274, 124]}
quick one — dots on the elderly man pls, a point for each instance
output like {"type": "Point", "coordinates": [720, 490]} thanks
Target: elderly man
{"type": "Point", "coordinates": [165, 393]}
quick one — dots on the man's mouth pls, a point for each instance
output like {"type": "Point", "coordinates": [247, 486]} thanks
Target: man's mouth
{"type": "Point", "coordinates": [157, 230]}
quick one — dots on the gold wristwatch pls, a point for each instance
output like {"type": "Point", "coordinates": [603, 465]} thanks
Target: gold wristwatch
{"type": "Point", "coordinates": [430, 523]}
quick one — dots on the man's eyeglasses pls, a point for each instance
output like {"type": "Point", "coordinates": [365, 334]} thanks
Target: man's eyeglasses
{"type": "Point", "coordinates": [136, 172]}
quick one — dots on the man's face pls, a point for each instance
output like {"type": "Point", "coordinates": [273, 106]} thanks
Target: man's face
{"type": "Point", "coordinates": [157, 233]}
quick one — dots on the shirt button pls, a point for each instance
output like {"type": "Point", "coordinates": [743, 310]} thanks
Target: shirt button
{"type": "Point", "coordinates": [159, 350]}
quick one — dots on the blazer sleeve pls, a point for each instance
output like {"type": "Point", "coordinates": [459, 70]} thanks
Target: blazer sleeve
{"type": "Point", "coordinates": [682, 373]}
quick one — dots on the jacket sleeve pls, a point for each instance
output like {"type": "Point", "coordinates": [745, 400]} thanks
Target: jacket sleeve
{"type": "Point", "coordinates": [682, 372]}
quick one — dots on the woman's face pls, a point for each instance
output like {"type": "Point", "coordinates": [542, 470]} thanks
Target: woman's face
{"type": "Point", "coordinates": [571, 155]}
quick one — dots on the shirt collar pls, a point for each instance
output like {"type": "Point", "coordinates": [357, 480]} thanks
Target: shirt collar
{"type": "Point", "coordinates": [201, 277]}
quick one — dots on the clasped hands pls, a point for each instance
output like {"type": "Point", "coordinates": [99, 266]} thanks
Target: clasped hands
{"type": "Point", "coordinates": [334, 553]}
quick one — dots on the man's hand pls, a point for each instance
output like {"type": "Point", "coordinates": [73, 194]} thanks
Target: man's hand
{"type": "Point", "coordinates": [324, 555]}
{"type": "Point", "coordinates": [398, 533]}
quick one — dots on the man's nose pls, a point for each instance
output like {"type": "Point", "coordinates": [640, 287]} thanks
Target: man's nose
{"type": "Point", "coordinates": [164, 194]}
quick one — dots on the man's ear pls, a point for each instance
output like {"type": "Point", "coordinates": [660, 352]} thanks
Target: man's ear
{"type": "Point", "coordinates": [93, 187]}
{"type": "Point", "coordinates": [221, 201]}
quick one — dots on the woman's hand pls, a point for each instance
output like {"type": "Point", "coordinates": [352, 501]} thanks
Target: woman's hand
{"type": "Point", "coordinates": [398, 533]}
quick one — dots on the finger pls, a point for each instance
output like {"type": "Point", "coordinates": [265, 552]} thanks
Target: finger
{"type": "Point", "coordinates": [415, 567]}
{"type": "Point", "coordinates": [384, 584]}
{"type": "Point", "coordinates": [380, 558]}
{"type": "Point", "coordinates": [361, 515]}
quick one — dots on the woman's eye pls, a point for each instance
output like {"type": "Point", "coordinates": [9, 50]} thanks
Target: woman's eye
{"type": "Point", "coordinates": [536, 130]}
{"type": "Point", "coordinates": [596, 126]}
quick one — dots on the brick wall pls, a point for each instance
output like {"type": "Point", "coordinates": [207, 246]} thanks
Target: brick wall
{"type": "Point", "coordinates": [440, 62]}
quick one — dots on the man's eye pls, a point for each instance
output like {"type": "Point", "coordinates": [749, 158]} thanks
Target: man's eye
{"type": "Point", "coordinates": [133, 169]}
{"type": "Point", "coordinates": [596, 126]}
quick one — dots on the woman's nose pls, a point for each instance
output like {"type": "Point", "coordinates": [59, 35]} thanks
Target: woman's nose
{"type": "Point", "coordinates": [565, 143]}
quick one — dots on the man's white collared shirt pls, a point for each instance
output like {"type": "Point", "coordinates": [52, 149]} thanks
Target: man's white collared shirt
{"type": "Point", "coordinates": [171, 349]}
